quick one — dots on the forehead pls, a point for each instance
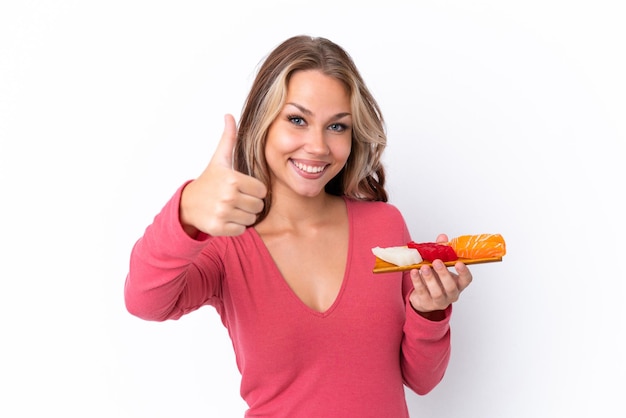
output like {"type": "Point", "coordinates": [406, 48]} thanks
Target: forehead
{"type": "Point", "coordinates": [314, 88]}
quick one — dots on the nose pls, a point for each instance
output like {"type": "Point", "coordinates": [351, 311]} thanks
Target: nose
{"type": "Point", "coordinates": [316, 142]}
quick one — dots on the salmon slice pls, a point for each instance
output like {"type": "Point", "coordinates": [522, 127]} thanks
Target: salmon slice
{"type": "Point", "coordinates": [479, 246]}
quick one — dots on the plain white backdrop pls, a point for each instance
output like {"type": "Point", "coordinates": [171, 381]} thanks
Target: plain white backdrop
{"type": "Point", "coordinates": [503, 116]}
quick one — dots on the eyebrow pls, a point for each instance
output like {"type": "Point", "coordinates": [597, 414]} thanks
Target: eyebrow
{"type": "Point", "coordinates": [308, 112]}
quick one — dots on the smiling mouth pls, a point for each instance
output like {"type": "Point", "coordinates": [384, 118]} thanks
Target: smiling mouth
{"type": "Point", "coordinates": [310, 169]}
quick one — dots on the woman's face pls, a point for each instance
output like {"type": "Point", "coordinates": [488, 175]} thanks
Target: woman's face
{"type": "Point", "coordinates": [310, 140]}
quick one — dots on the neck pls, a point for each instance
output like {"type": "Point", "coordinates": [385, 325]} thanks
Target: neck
{"type": "Point", "coordinates": [288, 212]}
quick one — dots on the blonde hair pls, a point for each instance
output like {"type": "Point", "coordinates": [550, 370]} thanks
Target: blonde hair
{"type": "Point", "coordinates": [363, 176]}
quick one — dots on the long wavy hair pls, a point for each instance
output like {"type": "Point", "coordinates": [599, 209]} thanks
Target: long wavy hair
{"type": "Point", "coordinates": [363, 176]}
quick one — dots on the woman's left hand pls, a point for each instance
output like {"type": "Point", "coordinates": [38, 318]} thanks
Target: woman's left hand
{"type": "Point", "coordinates": [436, 287]}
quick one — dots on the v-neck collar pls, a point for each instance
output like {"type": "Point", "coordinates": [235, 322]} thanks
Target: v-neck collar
{"type": "Point", "coordinates": [276, 273]}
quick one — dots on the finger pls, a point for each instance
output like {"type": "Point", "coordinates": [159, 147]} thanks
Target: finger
{"type": "Point", "coordinates": [242, 217]}
{"type": "Point", "coordinates": [224, 152]}
{"type": "Point", "coordinates": [233, 229]}
{"type": "Point", "coordinates": [447, 279]}
{"type": "Point", "coordinates": [420, 297]}
{"type": "Point", "coordinates": [418, 283]}
{"type": "Point", "coordinates": [432, 283]}
{"type": "Point", "coordinates": [251, 186]}
{"type": "Point", "coordinates": [442, 238]}
{"type": "Point", "coordinates": [465, 275]}
{"type": "Point", "coordinates": [227, 221]}
{"type": "Point", "coordinates": [251, 202]}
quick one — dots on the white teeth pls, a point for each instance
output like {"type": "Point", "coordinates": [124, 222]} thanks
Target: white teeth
{"type": "Point", "coordinates": [308, 168]}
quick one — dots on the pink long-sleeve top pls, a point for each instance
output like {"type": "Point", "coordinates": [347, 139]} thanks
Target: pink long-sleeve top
{"type": "Point", "coordinates": [352, 360]}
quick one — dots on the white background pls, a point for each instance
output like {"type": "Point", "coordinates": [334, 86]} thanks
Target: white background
{"type": "Point", "coordinates": [503, 116]}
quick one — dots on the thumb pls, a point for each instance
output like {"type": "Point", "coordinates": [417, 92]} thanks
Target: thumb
{"type": "Point", "coordinates": [224, 152]}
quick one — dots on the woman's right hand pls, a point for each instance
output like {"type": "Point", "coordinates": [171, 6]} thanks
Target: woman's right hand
{"type": "Point", "coordinates": [222, 201]}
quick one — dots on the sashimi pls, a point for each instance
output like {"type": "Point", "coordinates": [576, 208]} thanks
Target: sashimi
{"type": "Point", "coordinates": [431, 251]}
{"type": "Point", "coordinates": [469, 249]}
{"type": "Point", "coordinates": [400, 256]}
{"type": "Point", "coordinates": [479, 246]}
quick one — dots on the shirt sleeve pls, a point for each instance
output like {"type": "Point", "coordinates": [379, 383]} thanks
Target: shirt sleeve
{"type": "Point", "coordinates": [425, 344]}
{"type": "Point", "coordinates": [425, 350]}
{"type": "Point", "coordinates": [163, 281]}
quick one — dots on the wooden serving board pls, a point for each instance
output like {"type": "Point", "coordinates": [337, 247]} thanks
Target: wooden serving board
{"type": "Point", "coordinates": [383, 267]}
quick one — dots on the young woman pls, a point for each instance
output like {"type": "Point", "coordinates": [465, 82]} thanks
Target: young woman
{"type": "Point", "coordinates": [276, 234]}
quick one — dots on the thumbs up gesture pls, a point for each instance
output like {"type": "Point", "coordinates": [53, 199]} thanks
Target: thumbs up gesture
{"type": "Point", "coordinates": [222, 201]}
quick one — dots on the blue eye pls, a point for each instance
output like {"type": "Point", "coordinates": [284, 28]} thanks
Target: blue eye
{"type": "Point", "coordinates": [296, 120]}
{"type": "Point", "coordinates": [337, 127]}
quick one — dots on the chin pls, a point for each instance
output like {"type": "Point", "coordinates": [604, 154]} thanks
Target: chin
{"type": "Point", "coordinates": [310, 193]}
